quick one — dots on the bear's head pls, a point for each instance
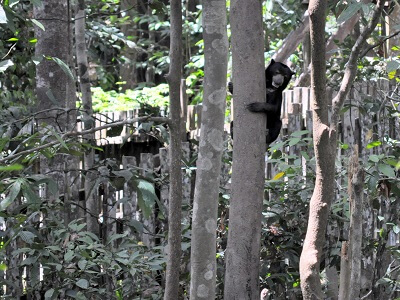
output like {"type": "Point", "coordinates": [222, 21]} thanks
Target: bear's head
{"type": "Point", "coordinates": [277, 76]}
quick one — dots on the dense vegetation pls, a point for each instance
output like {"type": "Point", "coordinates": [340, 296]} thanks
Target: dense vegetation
{"type": "Point", "coordinates": [63, 259]}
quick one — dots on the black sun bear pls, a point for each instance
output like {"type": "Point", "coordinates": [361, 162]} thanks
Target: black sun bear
{"type": "Point", "coordinates": [277, 78]}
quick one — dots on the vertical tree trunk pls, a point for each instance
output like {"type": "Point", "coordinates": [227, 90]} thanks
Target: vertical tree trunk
{"type": "Point", "coordinates": [356, 194]}
{"type": "Point", "coordinates": [242, 255]}
{"type": "Point", "coordinates": [205, 206]}
{"type": "Point", "coordinates": [53, 86]}
{"type": "Point", "coordinates": [128, 71]}
{"type": "Point", "coordinates": [324, 156]}
{"type": "Point", "coordinates": [175, 191]}
{"type": "Point", "coordinates": [92, 204]}
{"type": "Point", "coordinates": [325, 137]}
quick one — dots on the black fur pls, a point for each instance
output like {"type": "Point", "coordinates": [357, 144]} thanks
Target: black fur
{"type": "Point", "coordinates": [277, 78]}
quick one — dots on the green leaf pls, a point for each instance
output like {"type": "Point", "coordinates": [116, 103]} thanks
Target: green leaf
{"type": "Point", "coordinates": [294, 141]}
{"type": "Point", "coordinates": [5, 64]}
{"type": "Point", "coordinates": [49, 294]}
{"type": "Point", "coordinates": [69, 256]}
{"type": "Point", "coordinates": [29, 261]}
{"type": "Point", "coordinates": [396, 229]}
{"type": "Point", "coordinates": [27, 236]}
{"type": "Point", "coordinates": [82, 264]}
{"type": "Point", "coordinates": [3, 267]}
{"type": "Point", "coordinates": [64, 67]}
{"type": "Point", "coordinates": [146, 196]}
{"type": "Point", "coordinates": [386, 170]}
{"type": "Point", "coordinates": [373, 158]}
{"type": "Point", "coordinates": [82, 283]}
{"type": "Point", "coordinates": [59, 138]}
{"type": "Point", "coordinates": [30, 195]}
{"type": "Point", "coordinates": [300, 133]}
{"type": "Point", "coordinates": [13, 192]}
{"type": "Point", "coordinates": [9, 168]}
{"type": "Point", "coordinates": [373, 144]}
{"type": "Point", "coordinates": [305, 155]}
{"type": "Point", "coordinates": [38, 24]}
{"type": "Point", "coordinates": [350, 11]}
{"type": "Point", "coordinates": [13, 40]}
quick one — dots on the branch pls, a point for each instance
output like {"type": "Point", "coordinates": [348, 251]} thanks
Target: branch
{"type": "Point", "coordinates": [66, 135]}
{"type": "Point", "coordinates": [378, 43]}
{"type": "Point", "coordinates": [351, 66]}
{"type": "Point", "coordinates": [291, 42]}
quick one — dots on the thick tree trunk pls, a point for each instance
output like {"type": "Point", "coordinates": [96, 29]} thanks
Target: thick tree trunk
{"type": "Point", "coordinates": [53, 86]}
{"type": "Point", "coordinates": [175, 175]}
{"type": "Point", "coordinates": [242, 254]}
{"type": "Point", "coordinates": [205, 206]}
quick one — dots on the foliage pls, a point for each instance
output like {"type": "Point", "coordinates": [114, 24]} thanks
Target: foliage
{"type": "Point", "coordinates": [103, 101]}
{"type": "Point", "coordinates": [75, 262]}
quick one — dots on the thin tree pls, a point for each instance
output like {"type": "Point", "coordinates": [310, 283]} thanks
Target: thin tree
{"type": "Point", "coordinates": [175, 175]}
{"type": "Point", "coordinates": [205, 206]}
{"type": "Point", "coordinates": [243, 249]}
{"type": "Point", "coordinates": [325, 141]}
{"type": "Point", "coordinates": [92, 204]}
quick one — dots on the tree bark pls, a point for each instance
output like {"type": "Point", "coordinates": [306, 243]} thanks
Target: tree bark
{"type": "Point", "coordinates": [205, 206]}
{"type": "Point", "coordinates": [92, 204]}
{"type": "Point", "coordinates": [175, 191]}
{"type": "Point", "coordinates": [323, 191]}
{"type": "Point", "coordinates": [356, 194]}
{"type": "Point", "coordinates": [53, 85]}
{"type": "Point", "coordinates": [128, 70]}
{"type": "Point", "coordinates": [325, 138]}
{"type": "Point", "coordinates": [242, 254]}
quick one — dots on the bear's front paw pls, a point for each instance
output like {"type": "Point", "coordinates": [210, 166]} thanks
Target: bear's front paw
{"type": "Point", "coordinates": [230, 87]}
{"type": "Point", "coordinates": [255, 106]}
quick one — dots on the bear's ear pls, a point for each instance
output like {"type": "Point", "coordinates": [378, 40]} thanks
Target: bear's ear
{"type": "Point", "coordinates": [271, 62]}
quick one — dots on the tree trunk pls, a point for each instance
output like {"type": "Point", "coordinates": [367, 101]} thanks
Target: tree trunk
{"type": "Point", "coordinates": [243, 249]}
{"type": "Point", "coordinates": [205, 206]}
{"type": "Point", "coordinates": [128, 71]}
{"type": "Point", "coordinates": [92, 204]}
{"type": "Point", "coordinates": [356, 194]}
{"type": "Point", "coordinates": [324, 156]}
{"type": "Point", "coordinates": [175, 191]}
{"type": "Point", "coordinates": [325, 138]}
{"type": "Point", "coordinates": [53, 86]}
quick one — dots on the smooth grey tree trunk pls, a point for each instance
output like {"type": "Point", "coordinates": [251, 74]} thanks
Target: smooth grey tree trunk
{"type": "Point", "coordinates": [92, 203]}
{"type": "Point", "coordinates": [54, 88]}
{"type": "Point", "coordinates": [205, 206]}
{"type": "Point", "coordinates": [175, 191]}
{"type": "Point", "coordinates": [243, 249]}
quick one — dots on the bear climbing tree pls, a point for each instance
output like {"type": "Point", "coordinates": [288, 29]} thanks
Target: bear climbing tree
{"type": "Point", "coordinates": [277, 78]}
